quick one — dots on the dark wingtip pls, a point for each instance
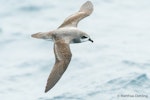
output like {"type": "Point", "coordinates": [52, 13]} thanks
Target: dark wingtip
{"type": "Point", "coordinates": [46, 90]}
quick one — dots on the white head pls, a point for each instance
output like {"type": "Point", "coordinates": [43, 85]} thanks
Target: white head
{"type": "Point", "coordinates": [85, 37]}
{"type": "Point", "coordinates": [82, 37]}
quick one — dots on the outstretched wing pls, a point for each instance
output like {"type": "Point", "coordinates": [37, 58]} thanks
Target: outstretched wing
{"type": "Point", "coordinates": [63, 56]}
{"type": "Point", "coordinates": [85, 10]}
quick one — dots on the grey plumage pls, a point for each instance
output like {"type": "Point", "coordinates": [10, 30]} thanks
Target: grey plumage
{"type": "Point", "coordinates": [65, 34]}
{"type": "Point", "coordinates": [63, 56]}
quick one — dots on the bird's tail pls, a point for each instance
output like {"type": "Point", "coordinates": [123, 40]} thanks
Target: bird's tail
{"type": "Point", "coordinates": [43, 35]}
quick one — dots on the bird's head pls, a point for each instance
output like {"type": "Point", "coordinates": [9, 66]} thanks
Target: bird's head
{"type": "Point", "coordinates": [84, 37]}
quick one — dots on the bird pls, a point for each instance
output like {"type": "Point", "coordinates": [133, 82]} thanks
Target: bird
{"type": "Point", "coordinates": [67, 33]}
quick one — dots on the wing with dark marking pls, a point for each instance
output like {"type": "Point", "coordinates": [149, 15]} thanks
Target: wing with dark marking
{"type": "Point", "coordinates": [63, 56]}
{"type": "Point", "coordinates": [85, 10]}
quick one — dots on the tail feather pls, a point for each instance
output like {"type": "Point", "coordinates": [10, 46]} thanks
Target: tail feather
{"type": "Point", "coordinates": [42, 35]}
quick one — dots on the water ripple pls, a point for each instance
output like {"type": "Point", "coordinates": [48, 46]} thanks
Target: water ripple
{"type": "Point", "coordinates": [133, 63]}
{"type": "Point", "coordinates": [30, 8]}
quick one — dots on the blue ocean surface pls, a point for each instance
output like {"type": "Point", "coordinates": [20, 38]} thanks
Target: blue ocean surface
{"type": "Point", "coordinates": [115, 67]}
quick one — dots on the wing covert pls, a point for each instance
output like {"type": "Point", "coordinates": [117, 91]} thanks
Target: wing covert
{"type": "Point", "coordinates": [63, 56]}
{"type": "Point", "coordinates": [85, 10]}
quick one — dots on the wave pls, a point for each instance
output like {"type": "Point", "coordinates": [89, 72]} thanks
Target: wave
{"type": "Point", "coordinates": [133, 63]}
{"type": "Point", "coordinates": [130, 81]}
{"type": "Point", "coordinates": [134, 82]}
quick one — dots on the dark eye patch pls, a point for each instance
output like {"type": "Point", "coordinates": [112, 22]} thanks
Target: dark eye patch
{"type": "Point", "coordinates": [83, 37]}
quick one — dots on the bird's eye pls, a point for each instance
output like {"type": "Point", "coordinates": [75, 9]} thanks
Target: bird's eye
{"type": "Point", "coordinates": [83, 37]}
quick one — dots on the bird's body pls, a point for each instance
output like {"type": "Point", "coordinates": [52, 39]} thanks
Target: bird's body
{"type": "Point", "coordinates": [64, 35]}
{"type": "Point", "coordinates": [68, 34]}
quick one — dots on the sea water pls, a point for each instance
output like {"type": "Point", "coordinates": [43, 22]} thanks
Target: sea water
{"type": "Point", "coordinates": [115, 67]}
